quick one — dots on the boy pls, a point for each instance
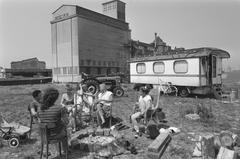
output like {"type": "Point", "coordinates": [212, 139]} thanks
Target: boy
{"type": "Point", "coordinates": [35, 105]}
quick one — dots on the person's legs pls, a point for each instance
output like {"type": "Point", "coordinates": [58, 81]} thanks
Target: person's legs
{"type": "Point", "coordinates": [64, 143]}
{"type": "Point", "coordinates": [100, 112]}
{"type": "Point", "coordinates": [72, 121]}
{"type": "Point", "coordinates": [134, 120]}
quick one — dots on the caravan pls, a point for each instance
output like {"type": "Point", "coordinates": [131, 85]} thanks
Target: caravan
{"type": "Point", "coordinates": [197, 71]}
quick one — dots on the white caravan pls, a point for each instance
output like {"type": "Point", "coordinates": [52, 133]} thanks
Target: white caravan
{"type": "Point", "coordinates": [197, 71]}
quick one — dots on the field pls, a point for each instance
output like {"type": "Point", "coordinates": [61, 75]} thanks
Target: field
{"type": "Point", "coordinates": [15, 99]}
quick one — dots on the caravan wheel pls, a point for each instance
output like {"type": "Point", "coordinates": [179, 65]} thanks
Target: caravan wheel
{"type": "Point", "coordinates": [183, 92]}
{"type": "Point", "coordinates": [217, 92]}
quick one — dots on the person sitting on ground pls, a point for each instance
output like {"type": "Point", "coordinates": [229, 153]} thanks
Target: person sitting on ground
{"type": "Point", "coordinates": [67, 101]}
{"type": "Point", "coordinates": [35, 105]}
{"type": "Point", "coordinates": [144, 103]}
{"type": "Point", "coordinates": [104, 102]}
{"type": "Point", "coordinates": [53, 114]}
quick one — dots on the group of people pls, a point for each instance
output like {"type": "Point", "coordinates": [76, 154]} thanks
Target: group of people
{"type": "Point", "coordinates": [74, 102]}
{"type": "Point", "coordinates": [77, 101]}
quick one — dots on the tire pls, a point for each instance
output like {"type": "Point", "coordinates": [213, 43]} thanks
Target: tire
{"type": "Point", "coordinates": [13, 142]}
{"type": "Point", "coordinates": [92, 85]}
{"type": "Point", "coordinates": [118, 91]}
{"type": "Point", "coordinates": [217, 93]}
{"type": "Point", "coordinates": [183, 92]}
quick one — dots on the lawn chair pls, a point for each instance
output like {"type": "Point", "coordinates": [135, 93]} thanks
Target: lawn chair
{"type": "Point", "coordinates": [48, 136]}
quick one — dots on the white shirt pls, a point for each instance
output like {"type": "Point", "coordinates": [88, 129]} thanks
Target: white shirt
{"type": "Point", "coordinates": [144, 103]}
{"type": "Point", "coordinates": [105, 96]}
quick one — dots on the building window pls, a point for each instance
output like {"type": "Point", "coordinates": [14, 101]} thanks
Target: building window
{"type": "Point", "coordinates": [99, 63]}
{"type": "Point", "coordinates": [141, 68]}
{"type": "Point", "coordinates": [70, 70]}
{"type": "Point", "coordinates": [104, 63]}
{"type": "Point", "coordinates": [88, 62]}
{"type": "Point", "coordinates": [158, 67]}
{"type": "Point", "coordinates": [75, 70]}
{"type": "Point", "coordinates": [64, 70]}
{"type": "Point", "coordinates": [180, 66]}
{"type": "Point", "coordinates": [109, 63]}
{"type": "Point", "coordinates": [93, 62]}
{"type": "Point", "coordinates": [117, 63]}
{"type": "Point", "coordinates": [82, 62]}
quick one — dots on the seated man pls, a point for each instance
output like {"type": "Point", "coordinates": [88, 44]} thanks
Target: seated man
{"type": "Point", "coordinates": [104, 102]}
{"type": "Point", "coordinates": [144, 104]}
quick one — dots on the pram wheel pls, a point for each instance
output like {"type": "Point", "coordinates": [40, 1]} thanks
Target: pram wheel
{"type": "Point", "coordinates": [13, 142]}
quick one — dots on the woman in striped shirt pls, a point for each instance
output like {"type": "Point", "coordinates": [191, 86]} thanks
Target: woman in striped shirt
{"type": "Point", "coordinates": [54, 115]}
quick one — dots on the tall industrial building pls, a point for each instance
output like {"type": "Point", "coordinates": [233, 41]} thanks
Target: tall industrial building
{"type": "Point", "coordinates": [90, 42]}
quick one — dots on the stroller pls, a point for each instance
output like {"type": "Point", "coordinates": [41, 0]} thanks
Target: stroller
{"type": "Point", "coordinates": [13, 133]}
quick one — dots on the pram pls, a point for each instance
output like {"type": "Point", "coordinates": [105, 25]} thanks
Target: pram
{"type": "Point", "coordinates": [13, 132]}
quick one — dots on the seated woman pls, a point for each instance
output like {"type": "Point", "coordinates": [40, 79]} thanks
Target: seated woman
{"type": "Point", "coordinates": [104, 102]}
{"type": "Point", "coordinates": [140, 109]}
{"type": "Point", "coordinates": [54, 114]}
{"type": "Point", "coordinates": [67, 102]}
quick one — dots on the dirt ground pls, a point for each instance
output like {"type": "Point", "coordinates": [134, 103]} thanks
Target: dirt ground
{"type": "Point", "coordinates": [15, 99]}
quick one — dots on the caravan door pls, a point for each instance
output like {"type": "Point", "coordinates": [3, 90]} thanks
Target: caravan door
{"type": "Point", "coordinates": [216, 70]}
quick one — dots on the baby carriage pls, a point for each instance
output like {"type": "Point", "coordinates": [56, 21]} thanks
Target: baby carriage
{"type": "Point", "coordinates": [13, 133]}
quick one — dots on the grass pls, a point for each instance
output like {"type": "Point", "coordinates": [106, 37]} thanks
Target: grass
{"type": "Point", "coordinates": [15, 99]}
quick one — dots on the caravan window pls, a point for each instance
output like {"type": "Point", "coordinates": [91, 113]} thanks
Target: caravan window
{"type": "Point", "coordinates": [158, 67]}
{"type": "Point", "coordinates": [141, 68]}
{"type": "Point", "coordinates": [180, 66]}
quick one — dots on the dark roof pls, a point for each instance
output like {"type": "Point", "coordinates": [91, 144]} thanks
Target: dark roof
{"type": "Point", "coordinates": [190, 53]}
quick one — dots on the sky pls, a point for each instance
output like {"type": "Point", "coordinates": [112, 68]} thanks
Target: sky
{"type": "Point", "coordinates": [25, 29]}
